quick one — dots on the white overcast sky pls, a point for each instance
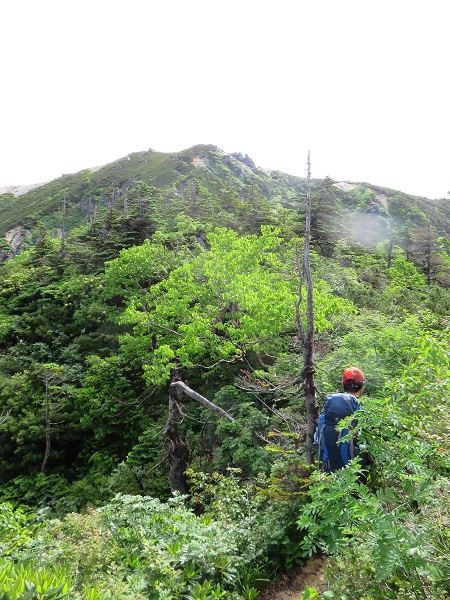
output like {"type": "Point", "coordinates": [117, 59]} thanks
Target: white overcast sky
{"type": "Point", "coordinates": [363, 84]}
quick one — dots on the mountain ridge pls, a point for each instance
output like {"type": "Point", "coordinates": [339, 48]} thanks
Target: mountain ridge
{"type": "Point", "coordinates": [20, 189]}
{"type": "Point", "coordinates": [187, 181]}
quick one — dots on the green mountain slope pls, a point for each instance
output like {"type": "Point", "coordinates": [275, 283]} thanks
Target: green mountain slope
{"type": "Point", "coordinates": [201, 176]}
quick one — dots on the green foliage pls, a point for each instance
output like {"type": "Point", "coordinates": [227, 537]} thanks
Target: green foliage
{"type": "Point", "coordinates": [25, 394]}
{"type": "Point", "coordinates": [22, 581]}
{"type": "Point", "coordinates": [407, 287]}
{"type": "Point", "coordinates": [139, 547]}
{"type": "Point", "coordinates": [310, 594]}
{"type": "Point", "coordinates": [136, 475]}
{"type": "Point", "coordinates": [138, 268]}
{"type": "Point", "coordinates": [6, 326]}
{"type": "Point", "coordinates": [214, 308]}
{"type": "Point", "coordinates": [238, 447]}
{"type": "Point", "coordinates": [164, 263]}
{"type": "Point", "coordinates": [16, 529]}
{"type": "Point", "coordinates": [386, 537]}
{"type": "Point", "coordinates": [382, 346]}
{"type": "Point", "coordinates": [39, 490]}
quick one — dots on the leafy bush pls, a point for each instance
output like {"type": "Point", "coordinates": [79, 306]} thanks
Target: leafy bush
{"type": "Point", "coordinates": [139, 547]}
{"type": "Point", "coordinates": [22, 581]}
{"type": "Point", "coordinates": [389, 539]}
{"type": "Point", "coordinates": [16, 529]}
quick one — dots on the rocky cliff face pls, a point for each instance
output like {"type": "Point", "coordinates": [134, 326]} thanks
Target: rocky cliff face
{"type": "Point", "coordinates": [16, 238]}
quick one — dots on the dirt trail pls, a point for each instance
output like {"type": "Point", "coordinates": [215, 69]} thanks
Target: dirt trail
{"type": "Point", "coordinates": [292, 584]}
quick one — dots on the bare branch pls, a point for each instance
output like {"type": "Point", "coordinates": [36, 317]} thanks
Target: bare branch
{"type": "Point", "coordinates": [5, 417]}
{"type": "Point", "coordinates": [257, 385]}
{"type": "Point", "coordinates": [144, 308]}
{"type": "Point", "coordinates": [261, 437]}
{"type": "Point", "coordinates": [140, 400]}
{"type": "Point", "coordinates": [222, 361]}
{"type": "Point", "coordinates": [202, 400]}
{"type": "Point", "coordinates": [157, 465]}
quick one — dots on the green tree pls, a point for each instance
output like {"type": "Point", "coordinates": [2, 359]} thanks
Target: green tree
{"type": "Point", "coordinates": [5, 250]}
{"type": "Point", "coordinates": [51, 377]}
{"type": "Point", "coordinates": [208, 316]}
{"type": "Point", "coordinates": [406, 287]}
{"type": "Point", "coordinates": [41, 432]}
{"type": "Point", "coordinates": [427, 252]}
{"type": "Point", "coordinates": [142, 199]}
{"type": "Point", "coordinates": [326, 218]}
{"type": "Point", "coordinates": [238, 296]}
{"type": "Point", "coordinates": [214, 308]}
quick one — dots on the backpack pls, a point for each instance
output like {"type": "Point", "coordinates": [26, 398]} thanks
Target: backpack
{"type": "Point", "coordinates": [330, 451]}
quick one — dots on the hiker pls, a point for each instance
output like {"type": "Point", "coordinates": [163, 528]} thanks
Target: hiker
{"type": "Point", "coordinates": [333, 453]}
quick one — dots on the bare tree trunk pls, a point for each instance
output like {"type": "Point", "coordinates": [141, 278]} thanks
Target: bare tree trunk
{"type": "Point", "coordinates": [92, 211]}
{"type": "Point", "coordinates": [298, 315]}
{"type": "Point", "coordinates": [175, 442]}
{"type": "Point", "coordinates": [312, 409]}
{"type": "Point", "coordinates": [389, 251]}
{"type": "Point", "coordinates": [63, 226]}
{"type": "Point", "coordinates": [125, 189]}
{"type": "Point", "coordinates": [52, 375]}
{"type": "Point", "coordinates": [428, 251]}
{"type": "Point", "coordinates": [125, 204]}
{"type": "Point", "coordinates": [112, 197]}
{"type": "Point", "coordinates": [47, 427]}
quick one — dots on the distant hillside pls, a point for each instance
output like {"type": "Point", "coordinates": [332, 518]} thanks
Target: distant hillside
{"type": "Point", "coordinates": [202, 181]}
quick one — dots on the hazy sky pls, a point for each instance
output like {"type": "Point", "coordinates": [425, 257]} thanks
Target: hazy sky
{"type": "Point", "coordinates": [363, 84]}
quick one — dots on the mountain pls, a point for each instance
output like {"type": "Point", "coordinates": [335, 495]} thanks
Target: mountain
{"type": "Point", "coordinates": [203, 182]}
{"type": "Point", "coordinates": [117, 280]}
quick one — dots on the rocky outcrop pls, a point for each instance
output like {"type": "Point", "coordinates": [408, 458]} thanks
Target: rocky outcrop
{"type": "Point", "coordinates": [244, 159]}
{"type": "Point", "coordinates": [16, 238]}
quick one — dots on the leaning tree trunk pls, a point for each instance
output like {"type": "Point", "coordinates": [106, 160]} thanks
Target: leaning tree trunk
{"type": "Point", "coordinates": [312, 408]}
{"type": "Point", "coordinates": [175, 442]}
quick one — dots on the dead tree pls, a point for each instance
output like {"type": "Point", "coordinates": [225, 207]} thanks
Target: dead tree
{"type": "Point", "coordinates": [307, 375]}
{"type": "Point", "coordinates": [63, 226]}
{"type": "Point", "coordinates": [177, 448]}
